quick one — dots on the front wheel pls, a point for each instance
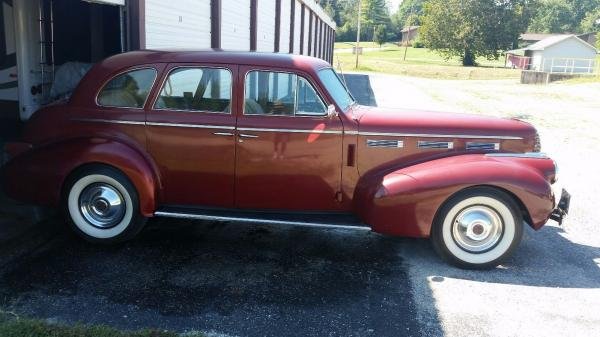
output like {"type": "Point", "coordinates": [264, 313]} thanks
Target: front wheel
{"type": "Point", "coordinates": [102, 205]}
{"type": "Point", "coordinates": [477, 228]}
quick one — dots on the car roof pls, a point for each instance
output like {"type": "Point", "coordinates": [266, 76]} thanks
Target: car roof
{"type": "Point", "coordinates": [278, 60]}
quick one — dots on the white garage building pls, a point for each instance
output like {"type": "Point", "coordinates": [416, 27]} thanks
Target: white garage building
{"type": "Point", "coordinates": [40, 36]}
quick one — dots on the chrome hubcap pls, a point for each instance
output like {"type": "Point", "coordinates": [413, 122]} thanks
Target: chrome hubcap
{"type": "Point", "coordinates": [102, 205]}
{"type": "Point", "coordinates": [477, 229]}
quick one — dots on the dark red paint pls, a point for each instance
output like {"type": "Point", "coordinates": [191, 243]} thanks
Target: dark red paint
{"type": "Point", "coordinates": [329, 167]}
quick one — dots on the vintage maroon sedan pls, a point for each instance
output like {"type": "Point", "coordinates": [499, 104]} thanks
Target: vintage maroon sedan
{"type": "Point", "coordinates": [277, 139]}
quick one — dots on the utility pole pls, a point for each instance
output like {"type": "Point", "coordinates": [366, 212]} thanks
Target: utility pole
{"type": "Point", "coordinates": [356, 50]}
{"type": "Point", "coordinates": [412, 8]}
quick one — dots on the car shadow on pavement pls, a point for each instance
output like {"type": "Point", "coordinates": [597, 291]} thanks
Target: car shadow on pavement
{"type": "Point", "coordinates": [233, 279]}
{"type": "Point", "coordinates": [546, 258]}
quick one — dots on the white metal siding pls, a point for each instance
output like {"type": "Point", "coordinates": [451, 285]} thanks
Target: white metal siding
{"type": "Point", "coordinates": [177, 24]}
{"type": "Point", "coordinates": [315, 37]}
{"type": "Point", "coordinates": [235, 25]}
{"type": "Point", "coordinates": [297, 24]}
{"type": "Point", "coordinates": [571, 55]}
{"type": "Point", "coordinates": [306, 29]}
{"type": "Point", "coordinates": [284, 32]}
{"type": "Point", "coordinates": [265, 26]}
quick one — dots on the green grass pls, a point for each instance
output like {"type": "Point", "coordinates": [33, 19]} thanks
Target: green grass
{"type": "Point", "coordinates": [420, 62]}
{"type": "Point", "coordinates": [18, 327]}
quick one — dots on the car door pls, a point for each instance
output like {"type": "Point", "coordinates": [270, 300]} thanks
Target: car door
{"type": "Point", "coordinates": [190, 135]}
{"type": "Point", "coordinates": [289, 151]}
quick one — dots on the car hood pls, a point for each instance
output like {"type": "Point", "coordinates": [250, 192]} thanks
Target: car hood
{"type": "Point", "coordinates": [454, 125]}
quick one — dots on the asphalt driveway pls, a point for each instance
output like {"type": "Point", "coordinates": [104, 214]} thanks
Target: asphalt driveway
{"type": "Point", "coordinates": [231, 279]}
{"type": "Point", "coordinates": [239, 280]}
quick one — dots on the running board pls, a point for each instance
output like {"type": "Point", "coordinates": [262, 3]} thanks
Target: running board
{"type": "Point", "coordinates": [320, 220]}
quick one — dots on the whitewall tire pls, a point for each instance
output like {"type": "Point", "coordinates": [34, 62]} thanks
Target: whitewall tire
{"type": "Point", "coordinates": [477, 228]}
{"type": "Point", "coordinates": [102, 205]}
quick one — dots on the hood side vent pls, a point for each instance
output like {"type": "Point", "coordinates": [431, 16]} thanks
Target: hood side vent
{"type": "Point", "coordinates": [423, 144]}
{"type": "Point", "coordinates": [483, 146]}
{"type": "Point", "coordinates": [385, 143]}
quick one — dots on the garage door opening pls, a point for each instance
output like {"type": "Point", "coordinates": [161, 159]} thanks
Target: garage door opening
{"type": "Point", "coordinates": [73, 36]}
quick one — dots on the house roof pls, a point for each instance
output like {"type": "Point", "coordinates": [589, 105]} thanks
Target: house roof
{"type": "Point", "coordinates": [551, 41]}
{"type": "Point", "coordinates": [535, 36]}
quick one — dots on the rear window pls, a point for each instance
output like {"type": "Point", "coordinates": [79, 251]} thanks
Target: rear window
{"type": "Point", "coordinates": [128, 90]}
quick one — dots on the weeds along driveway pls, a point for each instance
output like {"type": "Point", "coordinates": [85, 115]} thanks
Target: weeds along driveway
{"type": "Point", "coordinates": [231, 279]}
{"type": "Point", "coordinates": [551, 287]}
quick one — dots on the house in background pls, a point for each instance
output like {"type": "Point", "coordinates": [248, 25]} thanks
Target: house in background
{"type": "Point", "coordinates": [556, 54]}
{"type": "Point", "coordinates": [410, 34]}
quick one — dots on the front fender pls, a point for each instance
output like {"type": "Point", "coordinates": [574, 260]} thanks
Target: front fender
{"type": "Point", "coordinates": [38, 175]}
{"type": "Point", "coordinates": [404, 202]}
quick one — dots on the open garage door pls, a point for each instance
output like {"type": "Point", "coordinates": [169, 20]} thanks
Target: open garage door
{"type": "Point", "coordinates": [58, 40]}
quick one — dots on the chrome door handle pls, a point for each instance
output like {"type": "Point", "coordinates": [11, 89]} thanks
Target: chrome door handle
{"type": "Point", "coordinates": [226, 134]}
{"type": "Point", "coordinates": [244, 135]}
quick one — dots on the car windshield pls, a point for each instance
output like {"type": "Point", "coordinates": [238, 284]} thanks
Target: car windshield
{"type": "Point", "coordinates": [336, 88]}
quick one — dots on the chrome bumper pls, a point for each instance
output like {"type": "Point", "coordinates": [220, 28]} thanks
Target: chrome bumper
{"type": "Point", "coordinates": [562, 209]}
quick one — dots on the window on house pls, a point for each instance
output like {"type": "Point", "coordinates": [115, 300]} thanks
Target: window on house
{"type": "Point", "coordinates": [128, 90]}
{"type": "Point", "coordinates": [196, 89]}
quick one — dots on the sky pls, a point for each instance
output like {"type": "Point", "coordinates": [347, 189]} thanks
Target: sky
{"type": "Point", "coordinates": [393, 5]}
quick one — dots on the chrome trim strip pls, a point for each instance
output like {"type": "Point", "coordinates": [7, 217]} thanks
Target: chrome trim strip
{"type": "Point", "coordinates": [533, 155]}
{"type": "Point", "coordinates": [108, 121]}
{"type": "Point", "coordinates": [256, 220]}
{"type": "Point", "coordinates": [424, 135]}
{"type": "Point", "coordinates": [424, 144]}
{"type": "Point", "coordinates": [243, 135]}
{"type": "Point", "coordinates": [228, 134]}
{"type": "Point", "coordinates": [192, 126]}
{"type": "Point", "coordinates": [482, 146]}
{"type": "Point", "coordinates": [291, 130]}
{"type": "Point", "coordinates": [385, 143]}
{"type": "Point", "coordinates": [351, 133]}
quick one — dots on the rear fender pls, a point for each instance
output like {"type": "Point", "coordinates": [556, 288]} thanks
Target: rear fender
{"type": "Point", "coordinates": [39, 174]}
{"type": "Point", "coordinates": [404, 202]}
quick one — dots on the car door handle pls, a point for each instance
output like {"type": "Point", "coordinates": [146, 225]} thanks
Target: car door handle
{"type": "Point", "coordinates": [245, 135]}
{"type": "Point", "coordinates": [226, 134]}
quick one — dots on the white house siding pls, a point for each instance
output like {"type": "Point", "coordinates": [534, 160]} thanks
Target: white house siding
{"type": "Point", "coordinates": [306, 21]}
{"type": "Point", "coordinates": [568, 55]}
{"type": "Point", "coordinates": [235, 25]}
{"type": "Point", "coordinates": [265, 26]}
{"type": "Point", "coordinates": [297, 26]}
{"type": "Point", "coordinates": [316, 42]}
{"type": "Point", "coordinates": [284, 31]}
{"type": "Point", "coordinates": [177, 24]}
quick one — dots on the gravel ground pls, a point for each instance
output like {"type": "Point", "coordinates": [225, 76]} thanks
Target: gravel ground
{"type": "Point", "coordinates": [551, 287]}
{"type": "Point", "coordinates": [235, 280]}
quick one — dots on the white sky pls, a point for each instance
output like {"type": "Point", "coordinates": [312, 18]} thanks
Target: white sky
{"type": "Point", "coordinates": [393, 5]}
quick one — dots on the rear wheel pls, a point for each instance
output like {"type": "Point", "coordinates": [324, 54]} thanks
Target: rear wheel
{"type": "Point", "coordinates": [477, 228]}
{"type": "Point", "coordinates": [102, 205]}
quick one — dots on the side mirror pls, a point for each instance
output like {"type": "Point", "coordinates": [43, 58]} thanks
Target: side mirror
{"type": "Point", "coordinates": [331, 111]}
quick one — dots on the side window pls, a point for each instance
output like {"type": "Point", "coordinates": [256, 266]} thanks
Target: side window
{"type": "Point", "coordinates": [196, 89]}
{"type": "Point", "coordinates": [128, 90]}
{"type": "Point", "coordinates": [309, 103]}
{"type": "Point", "coordinates": [281, 94]}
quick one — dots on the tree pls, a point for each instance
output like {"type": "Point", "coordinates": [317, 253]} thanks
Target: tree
{"type": "Point", "coordinates": [554, 16]}
{"type": "Point", "coordinates": [380, 35]}
{"type": "Point", "coordinates": [473, 28]}
{"type": "Point", "coordinates": [591, 22]}
{"type": "Point", "coordinates": [407, 9]}
{"type": "Point", "coordinates": [374, 13]}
